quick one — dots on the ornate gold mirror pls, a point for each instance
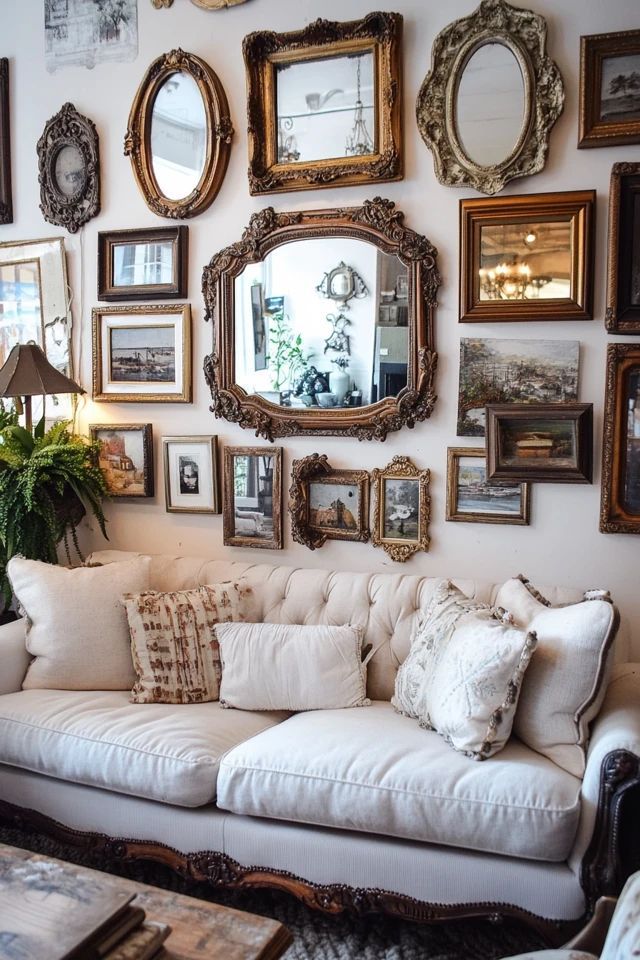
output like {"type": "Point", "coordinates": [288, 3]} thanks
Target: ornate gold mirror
{"type": "Point", "coordinates": [487, 106]}
{"type": "Point", "coordinates": [288, 362]}
{"type": "Point", "coordinates": [179, 134]}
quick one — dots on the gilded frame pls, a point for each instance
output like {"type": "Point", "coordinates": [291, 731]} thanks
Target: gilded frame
{"type": "Point", "coordinates": [528, 417]}
{"type": "Point", "coordinates": [209, 443]}
{"type": "Point", "coordinates": [264, 50]}
{"type": "Point", "coordinates": [454, 456]}
{"type": "Point", "coordinates": [109, 290]}
{"type": "Point", "coordinates": [316, 468]}
{"type": "Point", "coordinates": [594, 131]}
{"type": "Point", "coordinates": [400, 468]}
{"type": "Point", "coordinates": [137, 144]}
{"type": "Point", "coordinates": [106, 389]}
{"type": "Point", "coordinates": [622, 314]}
{"type": "Point", "coordinates": [576, 207]}
{"type": "Point", "coordinates": [69, 129]}
{"type": "Point", "coordinates": [620, 440]}
{"type": "Point", "coordinates": [230, 537]}
{"type": "Point", "coordinates": [6, 202]}
{"type": "Point", "coordinates": [376, 221]}
{"type": "Point", "coordinates": [146, 429]}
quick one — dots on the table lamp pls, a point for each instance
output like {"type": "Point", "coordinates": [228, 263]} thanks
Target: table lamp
{"type": "Point", "coordinates": [27, 373]}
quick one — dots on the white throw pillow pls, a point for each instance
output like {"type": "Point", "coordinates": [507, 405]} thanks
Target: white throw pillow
{"type": "Point", "coordinates": [564, 688]}
{"type": "Point", "coordinates": [276, 666]}
{"type": "Point", "coordinates": [463, 673]}
{"type": "Point", "coordinates": [76, 625]}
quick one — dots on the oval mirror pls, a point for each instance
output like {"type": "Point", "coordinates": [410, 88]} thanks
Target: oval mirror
{"type": "Point", "coordinates": [292, 358]}
{"type": "Point", "coordinates": [490, 105]}
{"type": "Point", "coordinates": [179, 135]}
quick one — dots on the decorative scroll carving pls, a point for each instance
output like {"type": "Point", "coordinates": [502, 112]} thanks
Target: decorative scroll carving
{"type": "Point", "coordinates": [400, 468]}
{"type": "Point", "coordinates": [69, 169]}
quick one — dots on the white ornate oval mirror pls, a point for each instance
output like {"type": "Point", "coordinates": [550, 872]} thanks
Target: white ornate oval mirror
{"type": "Point", "coordinates": [178, 136]}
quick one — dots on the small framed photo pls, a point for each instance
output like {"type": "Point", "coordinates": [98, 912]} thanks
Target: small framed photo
{"type": "Point", "coordinates": [327, 504]}
{"type": "Point", "coordinates": [620, 490]}
{"type": "Point", "coordinates": [472, 499]}
{"type": "Point", "coordinates": [623, 273]}
{"type": "Point", "coordinates": [191, 474]}
{"type": "Point", "coordinates": [142, 353]}
{"type": "Point", "coordinates": [401, 508]}
{"type": "Point", "coordinates": [252, 508]}
{"type": "Point", "coordinates": [546, 443]}
{"type": "Point", "coordinates": [609, 91]}
{"type": "Point", "coordinates": [139, 264]}
{"type": "Point", "coordinates": [125, 456]}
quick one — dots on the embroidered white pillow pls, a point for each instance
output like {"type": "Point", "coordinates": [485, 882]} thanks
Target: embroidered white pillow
{"type": "Point", "coordinates": [463, 673]}
{"type": "Point", "coordinates": [276, 666]}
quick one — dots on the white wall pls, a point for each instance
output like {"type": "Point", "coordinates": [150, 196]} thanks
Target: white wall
{"type": "Point", "coordinates": [563, 543]}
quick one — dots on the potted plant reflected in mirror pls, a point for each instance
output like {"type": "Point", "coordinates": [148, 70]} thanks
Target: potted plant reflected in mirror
{"type": "Point", "coordinates": [286, 360]}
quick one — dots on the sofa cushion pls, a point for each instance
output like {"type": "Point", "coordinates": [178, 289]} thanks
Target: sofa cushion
{"type": "Point", "coordinates": [377, 771]}
{"type": "Point", "coordinates": [163, 752]}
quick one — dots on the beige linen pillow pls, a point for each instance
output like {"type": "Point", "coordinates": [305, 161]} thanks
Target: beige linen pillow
{"type": "Point", "coordinates": [76, 627]}
{"type": "Point", "coordinates": [276, 666]}
{"type": "Point", "coordinates": [463, 673]}
{"type": "Point", "coordinates": [175, 651]}
{"type": "Point", "coordinates": [565, 686]}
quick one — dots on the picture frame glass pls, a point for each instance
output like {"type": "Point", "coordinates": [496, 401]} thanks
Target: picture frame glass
{"type": "Point", "coordinates": [619, 88]}
{"type": "Point", "coordinates": [144, 263]}
{"type": "Point", "coordinates": [121, 457]}
{"type": "Point", "coordinates": [401, 509]}
{"type": "Point", "coordinates": [525, 260]}
{"type": "Point", "coordinates": [189, 472]}
{"type": "Point", "coordinates": [253, 495]}
{"type": "Point", "coordinates": [474, 495]}
{"type": "Point", "coordinates": [334, 506]}
{"type": "Point", "coordinates": [178, 136]}
{"type": "Point", "coordinates": [142, 354]}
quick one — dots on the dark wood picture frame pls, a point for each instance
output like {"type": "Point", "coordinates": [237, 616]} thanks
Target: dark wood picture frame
{"type": "Point", "coordinates": [594, 130]}
{"type": "Point", "coordinates": [623, 255]}
{"type": "Point", "coordinates": [400, 469]}
{"type": "Point", "coordinates": [231, 536]}
{"type": "Point", "coordinates": [576, 207]}
{"type": "Point", "coordinates": [265, 50]}
{"type": "Point", "coordinates": [620, 488]}
{"type": "Point", "coordinates": [110, 290]}
{"type": "Point", "coordinates": [148, 484]}
{"type": "Point", "coordinates": [317, 469]}
{"type": "Point", "coordinates": [6, 201]}
{"type": "Point", "coordinates": [536, 453]}
{"type": "Point", "coordinates": [72, 206]}
{"type": "Point", "coordinates": [485, 515]}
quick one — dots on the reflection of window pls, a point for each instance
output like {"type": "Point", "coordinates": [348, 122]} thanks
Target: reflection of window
{"type": "Point", "coordinates": [245, 481]}
{"type": "Point", "coordinates": [20, 311]}
{"type": "Point", "coordinates": [139, 264]}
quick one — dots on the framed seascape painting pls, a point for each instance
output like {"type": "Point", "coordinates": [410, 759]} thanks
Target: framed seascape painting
{"type": "Point", "coordinates": [252, 508]}
{"type": "Point", "coordinates": [623, 263]}
{"type": "Point", "coordinates": [471, 498]}
{"type": "Point", "coordinates": [327, 504]}
{"type": "Point", "coordinates": [401, 508]}
{"type": "Point", "coordinates": [620, 490]}
{"type": "Point", "coordinates": [138, 264]}
{"type": "Point", "coordinates": [125, 456]}
{"type": "Point", "coordinates": [142, 354]}
{"type": "Point", "coordinates": [191, 474]}
{"type": "Point", "coordinates": [609, 89]}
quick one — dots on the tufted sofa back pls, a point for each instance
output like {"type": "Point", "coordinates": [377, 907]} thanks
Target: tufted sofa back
{"type": "Point", "coordinates": [384, 604]}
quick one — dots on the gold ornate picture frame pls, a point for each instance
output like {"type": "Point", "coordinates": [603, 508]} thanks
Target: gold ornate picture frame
{"type": "Point", "coordinates": [401, 508]}
{"type": "Point", "coordinates": [252, 497]}
{"type": "Point", "coordinates": [327, 504]}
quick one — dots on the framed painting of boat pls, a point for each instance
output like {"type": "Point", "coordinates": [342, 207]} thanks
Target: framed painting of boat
{"type": "Point", "coordinates": [546, 443]}
{"type": "Point", "coordinates": [472, 499]}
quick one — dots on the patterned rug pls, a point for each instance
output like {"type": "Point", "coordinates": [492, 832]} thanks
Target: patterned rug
{"type": "Point", "coordinates": [320, 937]}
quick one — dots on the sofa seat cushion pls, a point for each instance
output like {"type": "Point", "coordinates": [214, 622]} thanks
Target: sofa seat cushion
{"type": "Point", "coordinates": [377, 771]}
{"type": "Point", "coordinates": [165, 752]}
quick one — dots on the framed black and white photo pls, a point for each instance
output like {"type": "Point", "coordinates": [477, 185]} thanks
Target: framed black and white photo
{"type": "Point", "coordinates": [138, 264]}
{"type": "Point", "coordinates": [609, 89]}
{"type": "Point", "coordinates": [125, 456]}
{"type": "Point", "coordinates": [472, 499]}
{"type": "Point", "coordinates": [191, 474]}
{"type": "Point", "coordinates": [252, 509]}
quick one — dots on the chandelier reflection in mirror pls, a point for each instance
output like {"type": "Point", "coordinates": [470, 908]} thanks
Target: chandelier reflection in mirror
{"type": "Point", "coordinates": [511, 281]}
{"type": "Point", "coordinates": [525, 261]}
{"type": "Point", "coordinates": [359, 142]}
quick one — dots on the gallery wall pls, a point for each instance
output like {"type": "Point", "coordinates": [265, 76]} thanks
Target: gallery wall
{"type": "Point", "coordinates": [562, 543]}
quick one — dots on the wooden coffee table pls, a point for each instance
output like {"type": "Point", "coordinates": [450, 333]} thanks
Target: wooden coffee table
{"type": "Point", "coordinates": [199, 930]}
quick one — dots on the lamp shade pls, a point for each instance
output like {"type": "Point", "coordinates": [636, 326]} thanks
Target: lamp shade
{"type": "Point", "coordinates": [28, 373]}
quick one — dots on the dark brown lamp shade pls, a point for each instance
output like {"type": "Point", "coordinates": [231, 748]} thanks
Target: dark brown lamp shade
{"type": "Point", "coordinates": [28, 373]}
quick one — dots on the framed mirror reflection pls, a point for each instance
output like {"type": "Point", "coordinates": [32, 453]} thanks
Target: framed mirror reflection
{"type": "Point", "coordinates": [620, 490]}
{"type": "Point", "coordinates": [143, 264]}
{"type": "Point", "coordinates": [252, 508]}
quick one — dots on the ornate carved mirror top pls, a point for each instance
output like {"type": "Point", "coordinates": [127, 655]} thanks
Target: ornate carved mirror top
{"type": "Point", "coordinates": [283, 364]}
{"type": "Point", "coordinates": [487, 106]}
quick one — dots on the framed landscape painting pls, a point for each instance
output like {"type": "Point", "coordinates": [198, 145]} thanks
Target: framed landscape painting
{"type": "Point", "coordinates": [191, 474]}
{"type": "Point", "coordinates": [610, 89]}
{"type": "Point", "coordinates": [401, 508]}
{"type": "Point", "coordinates": [252, 509]}
{"type": "Point", "coordinates": [327, 504]}
{"type": "Point", "coordinates": [125, 457]}
{"type": "Point", "coordinates": [471, 498]}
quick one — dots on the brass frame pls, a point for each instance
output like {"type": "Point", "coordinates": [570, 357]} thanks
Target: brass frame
{"type": "Point", "coordinates": [179, 236]}
{"type": "Point", "coordinates": [6, 203]}
{"type": "Point", "coordinates": [378, 222]}
{"type": "Point", "coordinates": [621, 315]}
{"type": "Point", "coordinates": [576, 206]}
{"type": "Point", "coordinates": [524, 33]}
{"type": "Point", "coordinates": [206, 440]}
{"type": "Point", "coordinates": [454, 454]}
{"type": "Point", "coordinates": [230, 538]}
{"type": "Point", "coordinates": [621, 359]}
{"type": "Point", "coordinates": [183, 310]}
{"type": "Point", "coordinates": [68, 128]}
{"type": "Point", "coordinates": [594, 132]}
{"type": "Point", "coordinates": [263, 49]}
{"type": "Point", "coordinates": [400, 468]}
{"type": "Point", "coordinates": [137, 143]}
{"type": "Point", "coordinates": [580, 414]}
{"type": "Point", "coordinates": [317, 468]}
{"type": "Point", "coordinates": [147, 455]}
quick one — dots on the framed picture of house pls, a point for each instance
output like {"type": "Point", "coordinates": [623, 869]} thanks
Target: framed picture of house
{"type": "Point", "coordinates": [609, 89]}
{"type": "Point", "coordinates": [252, 504]}
{"type": "Point", "coordinates": [620, 489]}
{"type": "Point", "coordinates": [125, 456]}
{"type": "Point", "coordinates": [191, 474]}
{"type": "Point", "coordinates": [327, 504]}
{"type": "Point", "coordinates": [472, 499]}
{"type": "Point", "coordinates": [401, 508]}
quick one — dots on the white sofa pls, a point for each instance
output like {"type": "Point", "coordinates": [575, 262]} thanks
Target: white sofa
{"type": "Point", "coordinates": [358, 808]}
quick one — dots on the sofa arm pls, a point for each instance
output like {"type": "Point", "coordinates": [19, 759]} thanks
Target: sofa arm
{"type": "Point", "coordinates": [14, 657]}
{"type": "Point", "coordinates": [607, 848]}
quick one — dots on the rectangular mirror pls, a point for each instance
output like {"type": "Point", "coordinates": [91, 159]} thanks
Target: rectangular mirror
{"type": "Point", "coordinates": [138, 264]}
{"type": "Point", "coordinates": [620, 491]}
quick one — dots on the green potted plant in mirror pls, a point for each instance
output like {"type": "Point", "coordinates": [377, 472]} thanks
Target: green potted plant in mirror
{"type": "Point", "coordinates": [286, 358]}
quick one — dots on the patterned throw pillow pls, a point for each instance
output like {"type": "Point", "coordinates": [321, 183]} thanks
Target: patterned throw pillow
{"type": "Point", "coordinates": [463, 673]}
{"type": "Point", "coordinates": [175, 652]}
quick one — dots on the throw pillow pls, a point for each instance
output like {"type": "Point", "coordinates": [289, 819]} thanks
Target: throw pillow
{"type": "Point", "coordinates": [76, 627]}
{"type": "Point", "coordinates": [175, 651]}
{"type": "Point", "coordinates": [276, 666]}
{"type": "Point", "coordinates": [566, 684]}
{"type": "Point", "coordinates": [463, 673]}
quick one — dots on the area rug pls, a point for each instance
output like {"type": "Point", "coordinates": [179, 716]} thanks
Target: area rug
{"type": "Point", "coordinates": [320, 937]}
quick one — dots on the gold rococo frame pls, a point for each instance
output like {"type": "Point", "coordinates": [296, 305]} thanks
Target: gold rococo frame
{"type": "Point", "coordinates": [400, 468]}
